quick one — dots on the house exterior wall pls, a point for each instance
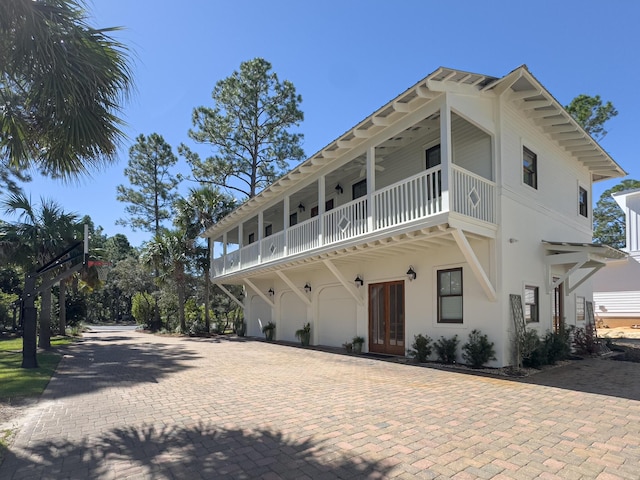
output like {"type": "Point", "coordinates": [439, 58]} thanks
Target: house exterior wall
{"type": "Point", "coordinates": [505, 249]}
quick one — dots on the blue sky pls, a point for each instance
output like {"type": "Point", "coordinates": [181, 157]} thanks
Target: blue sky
{"type": "Point", "coordinates": [347, 58]}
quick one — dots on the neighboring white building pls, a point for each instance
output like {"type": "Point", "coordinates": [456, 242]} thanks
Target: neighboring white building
{"type": "Point", "coordinates": [423, 218]}
{"type": "Point", "coordinates": [616, 289]}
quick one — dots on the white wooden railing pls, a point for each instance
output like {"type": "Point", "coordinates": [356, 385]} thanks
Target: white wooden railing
{"type": "Point", "coordinates": [346, 221]}
{"type": "Point", "coordinates": [472, 195]}
{"type": "Point", "coordinates": [272, 247]}
{"type": "Point", "coordinates": [413, 198]}
{"type": "Point", "coordinates": [304, 236]}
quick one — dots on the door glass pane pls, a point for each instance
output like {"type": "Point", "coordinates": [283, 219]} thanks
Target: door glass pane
{"type": "Point", "coordinates": [396, 315]}
{"type": "Point", "coordinates": [376, 303]}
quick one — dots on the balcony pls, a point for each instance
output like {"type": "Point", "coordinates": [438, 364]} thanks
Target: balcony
{"type": "Point", "coordinates": [410, 203]}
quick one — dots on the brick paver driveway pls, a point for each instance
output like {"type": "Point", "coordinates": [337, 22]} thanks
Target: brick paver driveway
{"type": "Point", "coordinates": [130, 405]}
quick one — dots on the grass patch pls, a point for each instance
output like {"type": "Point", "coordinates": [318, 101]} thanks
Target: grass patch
{"type": "Point", "coordinates": [16, 381]}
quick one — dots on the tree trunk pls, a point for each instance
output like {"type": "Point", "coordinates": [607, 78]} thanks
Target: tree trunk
{"type": "Point", "coordinates": [181, 301]}
{"type": "Point", "coordinates": [62, 300]}
{"type": "Point", "coordinates": [44, 339]}
{"type": "Point", "coordinates": [207, 284]}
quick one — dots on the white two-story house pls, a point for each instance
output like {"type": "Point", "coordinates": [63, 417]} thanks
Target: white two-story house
{"type": "Point", "coordinates": [424, 218]}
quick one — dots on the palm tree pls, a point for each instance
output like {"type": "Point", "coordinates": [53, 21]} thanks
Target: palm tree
{"type": "Point", "coordinates": [170, 252]}
{"type": "Point", "coordinates": [203, 207]}
{"type": "Point", "coordinates": [61, 83]}
{"type": "Point", "coordinates": [35, 239]}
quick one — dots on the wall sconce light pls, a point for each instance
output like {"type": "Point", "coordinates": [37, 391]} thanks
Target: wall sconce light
{"type": "Point", "coordinates": [301, 207]}
{"type": "Point", "coordinates": [359, 281]}
{"type": "Point", "coordinates": [271, 292]}
{"type": "Point", "coordinates": [307, 287]}
{"type": "Point", "coordinates": [339, 189]}
{"type": "Point", "coordinates": [411, 273]}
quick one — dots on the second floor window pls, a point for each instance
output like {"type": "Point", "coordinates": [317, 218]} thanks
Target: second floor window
{"type": "Point", "coordinates": [583, 202]}
{"type": "Point", "coordinates": [293, 219]}
{"type": "Point", "coordinates": [433, 157]}
{"type": "Point", "coordinates": [529, 168]}
{"type": "Point", "coordinates": [359, 189]}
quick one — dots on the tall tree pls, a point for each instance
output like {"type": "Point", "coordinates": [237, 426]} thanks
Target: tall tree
{"type": "Point", "coordinates": [591, 114]}
{"type": "Point", "coordinates": [154, 192]}
{"type": "Point", "coordinates": [248, 129]}
{"type": "Point", "coordinates": [61, 84]}
{"type": "Point", "coordinates": [203, 207]}
{"type": "Point", "coordinates": [608, 218]}
{"type": "Point", "coordinates": [40, 233]}
{"type": "Point", "coordinates": [153, 188]}
{"type": "Point", "coordinates": [170, 252]}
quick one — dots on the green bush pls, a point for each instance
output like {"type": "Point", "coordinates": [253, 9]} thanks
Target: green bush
{"type": "Point", "coordinates": [421, 348]}
{"type": "Point", "coordinates": [557, 346]}
{"type": "Point", "coordinates": [446, 349]}
{"type": "Point", "coordinates": [585, 341]}
{"type": "Point", "coordinates": [478, 350]}
{"type": "Point", "coordinates": [142, 308]}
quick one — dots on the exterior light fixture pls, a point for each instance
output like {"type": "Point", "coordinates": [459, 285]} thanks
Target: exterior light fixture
{"type": "Point", "coordinates": [301, 207]}
{"type": "Point", "coordinates": [307, 287]}
{"type": "Point", "coordinates": [411, 273]}
{"type": "Point", "coordinates": [271, 292]}
{"type": "Point", "coordinates": [359, 281]}
{"type": "Point", "coordinates": [339, 188]}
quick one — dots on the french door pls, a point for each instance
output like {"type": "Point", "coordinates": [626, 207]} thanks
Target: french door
{"type": "Point", "coordinates": [386, 318]}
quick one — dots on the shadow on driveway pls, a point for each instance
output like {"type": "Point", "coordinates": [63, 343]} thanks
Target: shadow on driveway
{"type": "Point", "coordinates": [202, 451]}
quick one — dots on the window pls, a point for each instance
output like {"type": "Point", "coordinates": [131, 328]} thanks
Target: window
{"type": "Point", "coordinates": [433, 157]}
{"type": "Point", "coordinates": [450, 295]}
{"type": "Point", "coordinates": [252, 238]}
{"type": "Point", "coordinates": [268, 230]}
{"type": "Point", "coordinates": [328, 205]}
{"type": "Point", "coordinates": [359, 189]}
{"type": "Point", "coordinates": [580, 303]}
{"type": "Point", "coordinates": [529, 168]}
{"type": "Point", "coordinates": [293, 219]}
{"type": "Point", "coordinates": [531, 304]}
{"type": "Point", "coordinates": [583, 202]}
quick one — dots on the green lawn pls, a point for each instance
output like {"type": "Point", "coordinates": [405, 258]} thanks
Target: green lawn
{"type": "Point", "coordinates": [26, 382]}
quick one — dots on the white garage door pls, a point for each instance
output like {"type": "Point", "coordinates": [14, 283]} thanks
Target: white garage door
{"type": "Point", "coordinates": [293, 316]}
{"type": "Point", "coordinates": [259, 310]}
{"type": "Point", "coordinates": [336, 317]}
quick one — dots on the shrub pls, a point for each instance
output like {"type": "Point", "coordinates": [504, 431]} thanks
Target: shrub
{"type": "Point", "coordinates": [557, 346]}
{"type": "Point", "coordinates": [585, 341]}
{"type": "Point", "coordinates": [446, 349]}
{"type": "Point", "coordinates": [142, 308]}
{"type": "Point", "coordinates": [532, 350]}
{"type": "Point", "coordinates": [421, 348]}
{"type": "Point", "coordinates": [478, 350]}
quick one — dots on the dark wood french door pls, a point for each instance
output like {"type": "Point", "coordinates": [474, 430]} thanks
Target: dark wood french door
{"type": "Point", "coordinates": [558, 308]}
{"type": "Point", "coordinates": [386, 318]}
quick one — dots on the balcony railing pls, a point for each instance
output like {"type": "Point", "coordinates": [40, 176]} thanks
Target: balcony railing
{"type": "Point", "coordinates": [411, 199]}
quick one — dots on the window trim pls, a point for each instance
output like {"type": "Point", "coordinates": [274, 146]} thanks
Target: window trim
{"type": "Point", "coordinates": [584, 308]}
{"type": "Point", "coordinates": [426, 156]}
{"type": "Point", "coordinates": [584, 214]}
{"type": "Point", "coordinates": [439, 319]}
{"type": "Point", "coordinates": [536, 303]}
{"type": "Point", "coordinates": [534, 171]}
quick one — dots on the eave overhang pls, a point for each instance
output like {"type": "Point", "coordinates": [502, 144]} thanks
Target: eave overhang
{"type": "Point", "coordinates": [522, 88]}
{"type": "Point", "coordinates": [442, 80]}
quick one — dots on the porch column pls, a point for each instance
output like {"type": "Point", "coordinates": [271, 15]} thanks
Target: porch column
{"type": "Point", "coordinates": [260, 233]}
{"type": "Point", "coordinates": [240, 242]}
{"type": "Point", "coordinates": [445, 150]}
{"type": "Point", "coordinates": [371, 186]}
{"type": "Point", "coordinates": [224, 252]}
{"type": "Point", "coordinates": [285, 222]}
{"type": "Point", "coordinates": [321, 208]}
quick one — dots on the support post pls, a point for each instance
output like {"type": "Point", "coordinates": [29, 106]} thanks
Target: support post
{"type": "Point", "coordinates": [29, 336]}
